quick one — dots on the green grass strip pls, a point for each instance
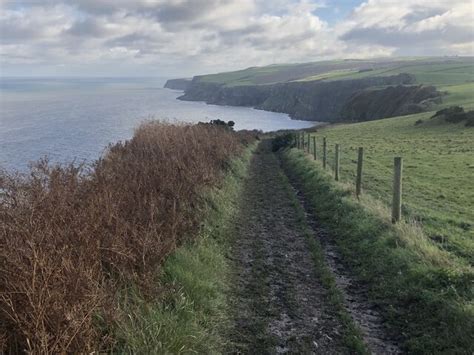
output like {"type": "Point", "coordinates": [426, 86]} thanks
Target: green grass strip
{"type": "Point", "coordinates": [426, 297]}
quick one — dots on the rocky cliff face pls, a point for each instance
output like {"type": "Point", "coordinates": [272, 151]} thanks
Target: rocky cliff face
{"type": "Point", "coordinates": [322, 101]}
{"type": "Point", "coordinates": [344, 100]}
{"type": "Point", "coordinates": [218, 94]}
{"type": "Point", "coordinates": [368, 105]}
{"type": "Point", "coordinates": [178, 84]}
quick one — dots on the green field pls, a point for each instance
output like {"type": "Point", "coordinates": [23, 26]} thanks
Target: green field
{"type": "Point", "coordinates": [438, 172]}
{"type": "Point", "coordinates": [460, 95]}
{"type": "Point", "coordinates": [272, 74]}
{"type": "Point", "coordinates": [424, 292]}
{"type": "Point", "coordinates": [277, 73]}
{"type": "Point", "coordinates": [330, 75]}
{"type": "Point", "coordinates": [448, 73]}
{"type": "Point", "coordinates": [455, 78]}
{"type": "Point", "coordinates": [428, 70]}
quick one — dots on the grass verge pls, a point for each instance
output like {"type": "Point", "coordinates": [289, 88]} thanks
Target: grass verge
{"type": "Point", "coordinates": [438, 168]}
{"type": "Point", "coordinates": [426, 296]}
{"type": "Point", "coordinates": [192, 317]}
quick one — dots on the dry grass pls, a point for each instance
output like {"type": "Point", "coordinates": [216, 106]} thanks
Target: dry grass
{"type": "Point", "coordinates": [70, 237]}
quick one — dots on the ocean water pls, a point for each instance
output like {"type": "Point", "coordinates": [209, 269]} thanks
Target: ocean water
{"type": "Point", "coordinates": [75, 119]}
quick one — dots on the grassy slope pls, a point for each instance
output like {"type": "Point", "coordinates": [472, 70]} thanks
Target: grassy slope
{"type": "Point", "coordinates": [268, 74]}
{"type": "Point", "coordinates": [330, 75]}
{"type": "Point", "coordinates": [455, 76]}
{"type": "Point", "coordinates": [425, 294]}
{"type": "Point", "coordinates": [450, 73]}
{"type": "Point", "coordinates": [192, 316]}
{"type": "Point", "coordinates": [435, 70]}
{"type": "Point", "coordinates": [461, 95]}
{"type": "Point", "coordinates": [247, 76]}
{"type": "Point", "coordinates": [322, 70]}
{"type": "Point", "coordinates": [438, 170]}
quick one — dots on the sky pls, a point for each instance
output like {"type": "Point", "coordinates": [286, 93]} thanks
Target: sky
{"type": "Point", "coordinates": [180, 38]}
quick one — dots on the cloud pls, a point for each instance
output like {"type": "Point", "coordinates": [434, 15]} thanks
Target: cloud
{"type": "Point", "coordinates": [38, 23]}
{"type": "Point", "coordinates": [192, 36]}
{"type": "Point", "coordinates": [421, 27]}
{"type": "Point", "coordinates": [89, 27]}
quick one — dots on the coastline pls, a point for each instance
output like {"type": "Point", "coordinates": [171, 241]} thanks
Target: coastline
{"type": "Point", "coordinates": [354, 100]}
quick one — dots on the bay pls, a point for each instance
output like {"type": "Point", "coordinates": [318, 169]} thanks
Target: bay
{"type": "Point", "coordinates": [74, 119]}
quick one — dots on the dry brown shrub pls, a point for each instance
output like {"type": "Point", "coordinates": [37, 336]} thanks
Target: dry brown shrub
{"type": "Point", "coordinates": [71, 236]}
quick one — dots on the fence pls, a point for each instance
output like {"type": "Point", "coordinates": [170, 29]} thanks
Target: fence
{"type": "Point", "coordinates": [305, 145]}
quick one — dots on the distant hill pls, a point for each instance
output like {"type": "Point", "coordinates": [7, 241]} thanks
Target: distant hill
{"type": "Point", "coordinates": [434, 71]}
{"type": "Point", "coordinates": [343, 90]}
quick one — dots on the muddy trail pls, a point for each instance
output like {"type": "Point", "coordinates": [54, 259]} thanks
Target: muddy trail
{"type": "Point", "coordinates": [363, 312]}
{"type": "Point", "coordinates": [279, 303]}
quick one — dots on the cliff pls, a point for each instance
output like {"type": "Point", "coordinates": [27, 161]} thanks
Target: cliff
{"type": "Point", "coordinates": [178, 84]}
{"type": "Point", "coordinates": [370, 104]}
{"type": "Point", "coordinates": [343, 100]}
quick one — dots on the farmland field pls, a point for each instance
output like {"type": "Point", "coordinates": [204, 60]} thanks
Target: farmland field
{"type": "Point", "coordinates": [430, 71]}
{"type": "Point", "coordinates": [438, 172]}
{"type": "Point", "coordinates": [447, 73]}
{"type": "Point", "coordinates": [455, 79]}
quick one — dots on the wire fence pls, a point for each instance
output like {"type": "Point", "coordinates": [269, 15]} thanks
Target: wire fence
{"type": "Point", "coordinates": [305, 142]}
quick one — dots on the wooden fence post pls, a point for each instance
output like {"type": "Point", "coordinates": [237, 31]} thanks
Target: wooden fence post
{"type": "Point", "coordinates": [397, 189]}
{"type": "Point", "coordinates": [360, 159]}
{"type": "Point", "coordinates": [302, 140]}
{"type": "Point", "coordinates": [314, 148]}
{"type": "Point", "coordinates": [336, 165]}
{"type": "Point", "coordinates": [309, 142]}
{"type": "Point", "coordinates": [325, 152]}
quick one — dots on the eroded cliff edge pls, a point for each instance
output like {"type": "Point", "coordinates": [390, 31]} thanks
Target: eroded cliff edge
{"type": "Point", "coordinates": [330, 101]}
{"type": "Point", "coordinates": [178, 84]}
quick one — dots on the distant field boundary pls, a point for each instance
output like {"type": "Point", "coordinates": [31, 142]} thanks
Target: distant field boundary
{"type": "Point", "coordinates": [303, 142]}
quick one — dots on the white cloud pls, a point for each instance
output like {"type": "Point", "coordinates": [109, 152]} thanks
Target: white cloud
{"type": "Point", "coordinates": [413, 27]}
{"type": "Point", "coordinates": [192, 36]}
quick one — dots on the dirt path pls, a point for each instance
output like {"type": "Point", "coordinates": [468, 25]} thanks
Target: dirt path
{"type": "Point", "coordinates": [280, 304]}
{"type": "Point", "coordinates": [363, 312]}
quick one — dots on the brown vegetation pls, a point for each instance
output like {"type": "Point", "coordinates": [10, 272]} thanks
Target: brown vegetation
{"type": "Point", "coordinates": [71, 237]}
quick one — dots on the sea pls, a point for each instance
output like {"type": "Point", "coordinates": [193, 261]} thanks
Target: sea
{"type": "Point", "coordinates": [75, 119]}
